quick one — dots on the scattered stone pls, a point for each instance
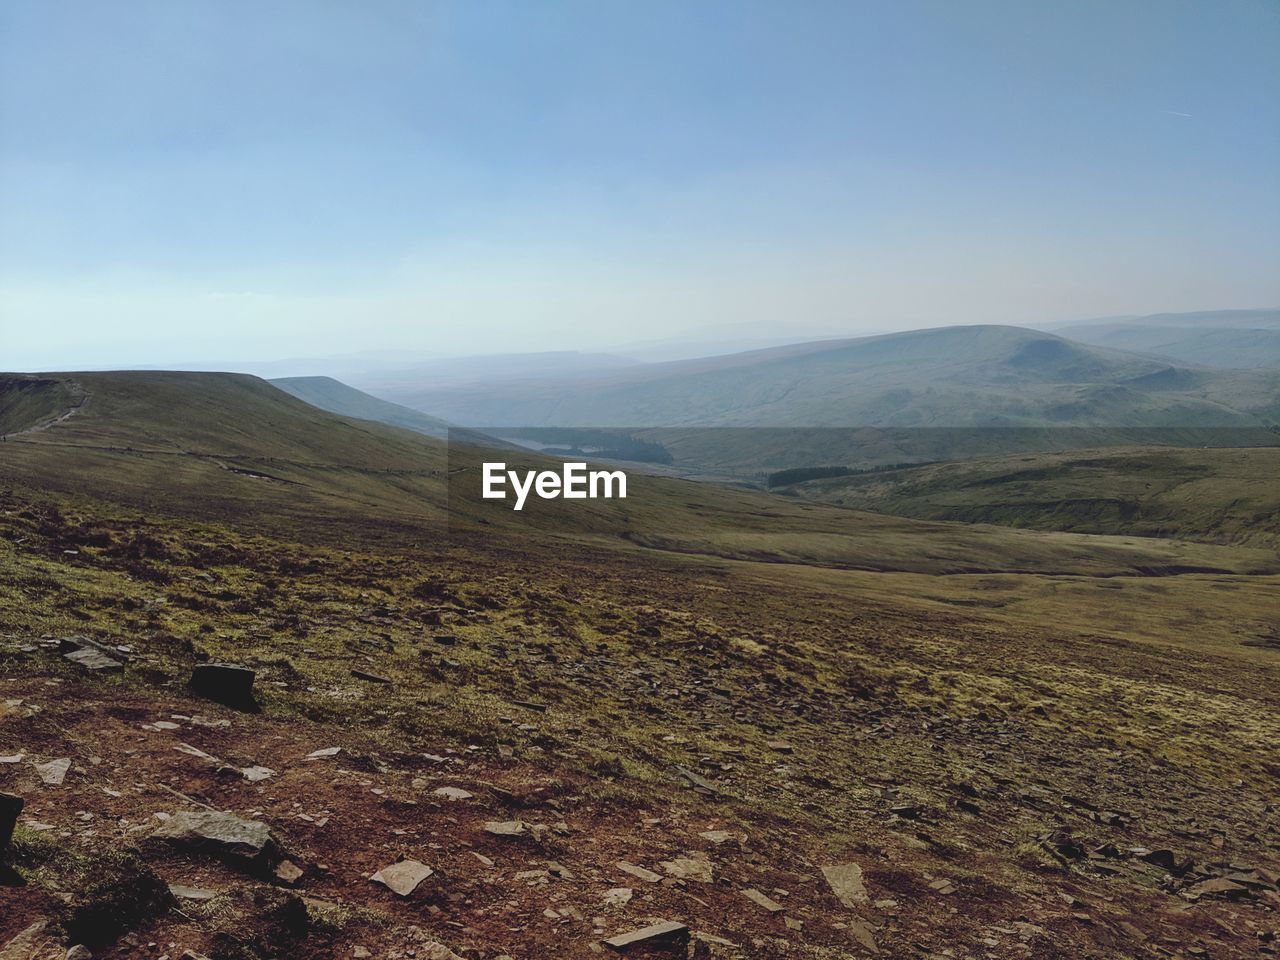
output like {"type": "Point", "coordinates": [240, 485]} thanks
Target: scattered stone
{"type": "Point", "coordinates": [666, 933]}
{"type": "Point", "coordinates": [618, 896]}
{"type": "Point", "coordinates": [196, 752]}
{"type": "Point", "coordinates": [716, 836]}
{"type": "Point", "coordinates": [369, 677]}
{"type": "Point", "coordinates": [1063, 844]}
{"type": "Point", "coordinates": [906, 811]}
{"type": "Point", "coordinates": [453, 793]}
{"type": "Point", "coordinates": [13, 758]}
{"type": "Point", "coordinates": [755, 896]}
{"type": "Point", "coordinates": [255, 774]}
{"type": "Point", "coordinates": [781, 746]}
{"type": "Point", "coordinates": [94, 661]}
{"type": "Point", "coordinates": [223, 834]}
{"type": "Point", "coordinates": [323, 753]}
{"type": "Point", "coordinates": [360, 953]}
{"type": "Point", "coordinates": [943, 886]}
{"type": "Point", "coordinates": [225, 683]}
{"type": "Point", "coordinates": [1164, 859]}
{"type": "Point", "coordinates": [29, 943]}
{"type": "Point", "coordinates": [288, 872]}
{"type": "Point", "coordinates": [688, 868]}
{"type": "Point", "coordinates": [54, 772]}
{"type": "Point", "coordinates": [700, 783]}
{"type": "Point", "coordinates": [79, 952]}
{"type": "Point", "coordinates": [845, 881]}
{"type": "Point", "coordinates": [10, 806]}
{"type": "Point", "coordinates": [1217, 887]}
{"type": "Point", "coordinates": [505, 828]}
{"type": "Point", "coordinates": [402, 878]}
{"type": "Point", "coordinates": [862, 933]}
{"type": "Point", "coordinates": [184, 892]}
{"type": "Point", "coordinates": [640, 873]}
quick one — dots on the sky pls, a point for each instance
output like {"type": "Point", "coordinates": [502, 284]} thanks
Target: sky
{"type": "Point", "coordinates": [190, 181]}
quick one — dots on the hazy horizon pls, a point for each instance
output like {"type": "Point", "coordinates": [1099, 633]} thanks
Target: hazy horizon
{"type": "Point", "coordinates": [194, 182]}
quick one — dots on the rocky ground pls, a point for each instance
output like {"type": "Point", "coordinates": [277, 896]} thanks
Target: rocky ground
{"type": "Point", "coordinates": [480, 751]}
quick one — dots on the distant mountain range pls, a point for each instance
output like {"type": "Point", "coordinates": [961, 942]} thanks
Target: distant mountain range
{"type": "Point", "coordinates": [1246, 339]}
{"type": "Point", "coordinates": [975, 376]}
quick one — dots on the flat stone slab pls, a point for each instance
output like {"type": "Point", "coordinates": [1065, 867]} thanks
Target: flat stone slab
{"type": "Point", "coordinates": [640, 873]}
{"type": "Point", "coordinates": [755, 896]}
{"type": "Point", "coordinates": [666, 933]}
{"type": "Point", "coordinates": [223, 834]}
{"type": "Point", "coordinates": [845, 881]}
{"type": "Point", "coordinates": [94, 661]}
{"type": "Point", "coordinates": [506, 828]}
{"type": "Point", "coordinates": [184, 892]}
{"type": "Point", "coordinates": [54, 772]}
{"type": "Point", "coordinates": [402, 878]}
{"type": "Point", "coordinates": [31, 942]}
{"type": "Point", "coordinates": [692, 867]}
{"type": "Point", "coordinates": [453, 793]}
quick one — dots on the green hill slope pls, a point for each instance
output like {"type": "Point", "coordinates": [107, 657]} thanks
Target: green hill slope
{"type": "Point", "coordinates": [336, 397]}
{"type": "Point", "coordinates": [233, 449]}
{"type": "Point", "coordinates": [1218, 495]}
{"type": "Point", "coordinates": [30, 402]}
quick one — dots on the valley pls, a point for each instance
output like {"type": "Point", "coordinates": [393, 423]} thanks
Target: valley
{"type": "Point", "coordinates": [592, 716]}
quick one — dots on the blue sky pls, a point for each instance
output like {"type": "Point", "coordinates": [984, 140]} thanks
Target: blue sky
{"type": "Point", "coordinates": [249, 180]}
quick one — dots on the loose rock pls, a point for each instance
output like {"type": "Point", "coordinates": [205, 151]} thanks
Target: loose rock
{"type": "Point", "coordinates": [505, 828]}
{"type": "Point", "coordinates": [688, 868]}
{"type": "Point", "coordinates": [453, 793]}
{"type": "Point", "coordinates": [402, 878]}
{"type": "Point", "coordinates": [223, 834]}
{"type": "Point", "coordinates": [845, 881]}
{"type": "Point", "coordinates": [225, 683]}
{"type": "Point", "coordinates": [755, 896]}
{"type": "Point", "coordinates": [640, 873]}
{"type": "Point", "coordinates": [54, 772]}
{"type": "Point", "coordinates": [666, 933]}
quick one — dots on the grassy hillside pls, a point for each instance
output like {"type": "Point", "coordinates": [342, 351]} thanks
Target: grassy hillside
{"type": "Point", "coordinates": [30, 402]}
{"type": "Point", "coordinates": [980, 376]}
{"type": "Point", "coordinates": [336, 397]}
{"type": "Point", "coordinates": [584, 720]}
{"type": "Point", "coordinates": [233, 447]}
{"type": "Point", "coordinates": [1218, 495]}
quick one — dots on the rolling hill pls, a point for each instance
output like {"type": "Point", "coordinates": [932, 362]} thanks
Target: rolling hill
{"type": "Point", "coordinates": [989, 729]}
{"type": "Point", "coordinates": [980, 376]}
{"type": "Point", "coordinates": [1217, 495]}
{"type": "Point", "coordinates": [234, 448]}
{"type": "Point", "coordinates": [1246, 339]}
{"type": "Point", "coordinates": [336, 397]}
